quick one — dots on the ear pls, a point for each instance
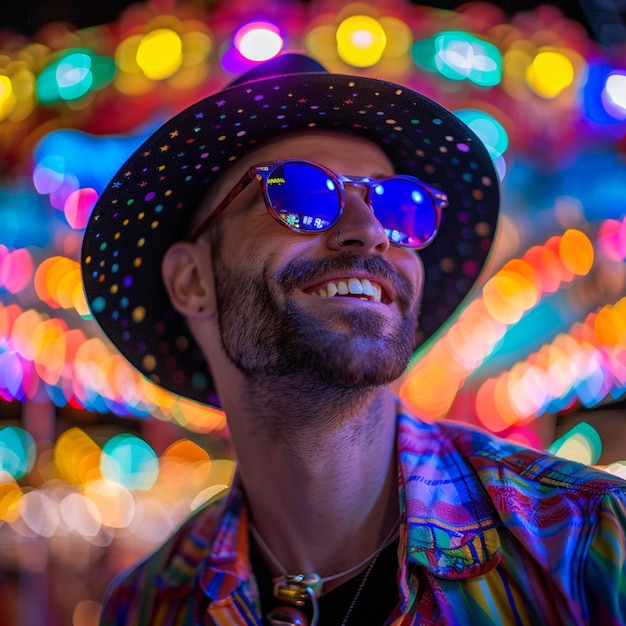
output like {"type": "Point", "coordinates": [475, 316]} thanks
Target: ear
{"type": "Point", "coordinates": [188, 278]}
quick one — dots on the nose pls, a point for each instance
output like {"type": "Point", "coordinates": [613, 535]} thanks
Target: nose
{"type": "Point", "coordinates": [360, 229]}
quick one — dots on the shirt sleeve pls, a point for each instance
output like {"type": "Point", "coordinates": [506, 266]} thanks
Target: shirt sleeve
{"type": "Point", "coordinates": [605, 567]}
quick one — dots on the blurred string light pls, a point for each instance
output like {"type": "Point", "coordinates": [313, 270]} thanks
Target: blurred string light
{"type": "Point", "coordinates": [71, 167]}
{"type": "Point", "coordinates": [550, 73]}
{"type": "Point", "coordinates": [361, 40]}
{"type": "Point", "coordinates": [166, 49]}
{"type": "Point", "coordinates": [587, 364]}
{"type": "Point", "coordinates": [459, 55]}
{"type": "Point", "coordinates": [433, 383]}
{"type": "Point", "coordinates": [17, 451]}
{"type": "Point", "coordinates": [253, 42]}
{"type": "Point", "coordinates": [58, 283]}
{"type": "Point", "coordinates": [130, 461]}
{"type": "Point", "coordinates": [90, 491]}
{"type": "Point", "coordinates": [16, 269]}
{"type": "Point", "coordinates": [159, 53]}
{"type": "Point", "coordinates": [582, 443]}
{"type": "Point", "coordinates": [42, 357]}
{"type": "Point", "coordinates": [614, 95]}
{"type": "Point", "coordinates": [74, 74]}
{"type": "Point", "coordinates": [612, 239]}
{"type": "Point", "coordinates": [604, 94]}
{"type": "Point", "coordinates": [258, 41]}
{"type": "Point", "coordinates": [488, 129]}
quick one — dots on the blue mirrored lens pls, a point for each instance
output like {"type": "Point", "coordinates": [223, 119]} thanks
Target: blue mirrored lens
{"type": "Point", "coordinates": [303, 196]}
{"type": "Point", "coordinates": [406, 211]}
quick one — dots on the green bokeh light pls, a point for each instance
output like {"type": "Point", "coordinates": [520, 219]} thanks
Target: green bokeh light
{"type": "Point", "coordinates": [17, 451]}
{"type": "Point", "coordinates": [130, 461]}
{"type": "Point", "coordinates": [490, 131]}
{"type": "Point", "coordinates": [73, 75]}
{"type": "Point", "coordinates": [459, 55]}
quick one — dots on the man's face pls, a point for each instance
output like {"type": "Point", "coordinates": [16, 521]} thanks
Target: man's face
{"type": "Point", "coordinates": [278, 311]}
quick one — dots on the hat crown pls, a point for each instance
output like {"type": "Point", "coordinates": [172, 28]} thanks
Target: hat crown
{"type": "Point", "coordinates": [288, 63]}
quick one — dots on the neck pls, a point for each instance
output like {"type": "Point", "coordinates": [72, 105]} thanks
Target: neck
{"type": "Point", "coordinates": [320, 475]}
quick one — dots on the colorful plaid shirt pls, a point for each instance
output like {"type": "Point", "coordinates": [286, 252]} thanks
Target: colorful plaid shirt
{"type": "Point", "coordinates": [492, 534]}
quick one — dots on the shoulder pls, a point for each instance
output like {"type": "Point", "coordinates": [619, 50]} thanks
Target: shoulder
{"type": "Point", "coordinates": [524, 488]}
{"type": "Point", "coordinates": [494, 457]}
{"type": "Point", "coordinates": [167, 571]}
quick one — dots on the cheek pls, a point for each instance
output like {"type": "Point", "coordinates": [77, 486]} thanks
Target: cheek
{"type": "Point", "coordinates": [412, 268]}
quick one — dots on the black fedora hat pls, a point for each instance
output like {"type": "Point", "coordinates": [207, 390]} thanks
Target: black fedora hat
{"type": "Point", "coordinates": [147, 205]}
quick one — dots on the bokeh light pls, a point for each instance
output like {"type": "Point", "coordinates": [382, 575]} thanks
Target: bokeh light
{"type": "Point", "coordinates": [582, 443]}
{"type": "Point", "coordinates": [17, 451]}
{"type": "Point", "coordinates": [73, 75]}
{"type": "Point", "coordinates": [258, 41]}
{"type": "Point", "coordinates": [159, 53]}
{"type": "Point", "coordinates": [550, 73]}
{"type": "Point", "coordinates": [460, 55]}
{"type": "Point", "coordinates": [490, 131]}
{"type": "Point", "coordinates": [361, 40]}
{"type": "Point", "coordinates": [614, 95]}
{"type": "Point", "coordinates": [129, 461]}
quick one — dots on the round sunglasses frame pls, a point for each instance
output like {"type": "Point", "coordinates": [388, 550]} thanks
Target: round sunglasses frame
{"type": "Point", "coordinates": [263, 171]}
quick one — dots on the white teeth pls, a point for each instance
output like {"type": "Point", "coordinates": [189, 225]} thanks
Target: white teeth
{"type": "Point", "coordinates": [351, 286]}
{"type": "Point", "coordinates": [368, 288]}
{"type": "Point", "coordinates": [355, 286]}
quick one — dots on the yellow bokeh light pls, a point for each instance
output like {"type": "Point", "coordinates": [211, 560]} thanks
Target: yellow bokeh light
{"type": "Point", "coordinates": [398, 34]}
{"type": "Point", "coordinates": [361, 40]}
{"type": "Point", "coordinates": [10, 495]}
{"type": "Point", "coordinates": [610, 327]}
{"type": "Point", "coordinates": [196, 48]}
{"type": "Point", "coordinates": [126, 54]}
{"type": "Point", "coordinates": [7, 97]}
{"type": "Point", "coordinates": [550, 73]}
{"type": "Point", "coordinates": [320, 42]}
{"type": "Point", "coordinates": [160, 53]}
{"type": "Point", "coordinates": [50, 345]}
{"type": "Point", "coordinates": [77, 457]}
{"type": "Point", "coordinates": [508, 295]}
{"type": "Point", "coordinates": [576, 252]}
{"type": "Point", "coordinates": [430, 389]}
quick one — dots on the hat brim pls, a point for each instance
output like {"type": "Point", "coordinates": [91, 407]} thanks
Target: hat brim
{"type": "Point", "coordinates": [148, 204]}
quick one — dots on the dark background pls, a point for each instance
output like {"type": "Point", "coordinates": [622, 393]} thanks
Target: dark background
{"type": "Point", "coordinates": [604, 20]}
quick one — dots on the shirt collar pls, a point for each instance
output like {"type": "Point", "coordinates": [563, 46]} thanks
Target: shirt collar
{"type": "Point", "coordinates": [449, 526]}
{"type": "Point", "coordinates": [212, 550]}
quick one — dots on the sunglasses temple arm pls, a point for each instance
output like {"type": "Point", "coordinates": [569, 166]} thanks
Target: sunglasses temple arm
{"type": "Point", "coordinates": [244, 181]}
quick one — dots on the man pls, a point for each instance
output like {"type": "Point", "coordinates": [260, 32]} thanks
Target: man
{"type": "Point", "coordinates": [301, 220]}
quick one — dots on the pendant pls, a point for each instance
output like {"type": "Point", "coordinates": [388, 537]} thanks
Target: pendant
{"type": "Point", "coordinates": [297, 591]}
{"type": "Point", "coordinates": [287, 616]}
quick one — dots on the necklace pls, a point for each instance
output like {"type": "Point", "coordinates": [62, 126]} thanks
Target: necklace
{"type": "Point", "coordinates": [298, 590]}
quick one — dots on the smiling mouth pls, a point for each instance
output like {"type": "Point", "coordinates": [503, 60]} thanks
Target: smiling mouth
{"type": "Point", "coordinates": [359, 288]}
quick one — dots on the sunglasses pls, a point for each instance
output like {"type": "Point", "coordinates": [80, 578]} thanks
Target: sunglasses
{"type": "Point", "coordinates": [309, 198]}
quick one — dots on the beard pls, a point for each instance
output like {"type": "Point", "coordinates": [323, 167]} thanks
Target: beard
{"type": "Point", "coordinates": [269, 336]}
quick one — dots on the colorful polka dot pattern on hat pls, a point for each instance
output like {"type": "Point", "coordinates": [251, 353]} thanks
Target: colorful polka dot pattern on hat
{"type": "Point", "coordinates": [148, 204]}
